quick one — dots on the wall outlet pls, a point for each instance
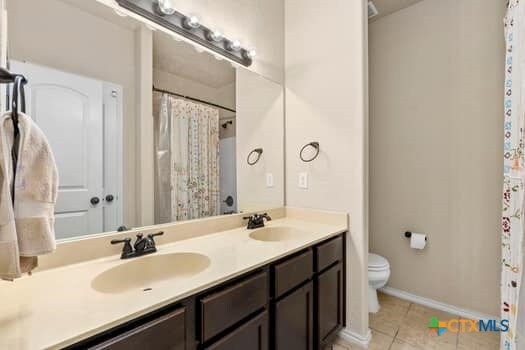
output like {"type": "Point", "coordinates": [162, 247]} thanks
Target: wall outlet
{"type": "Point", "coordinates": [303, 180]}
{"type": "Point", "coordinates": [269, 180]}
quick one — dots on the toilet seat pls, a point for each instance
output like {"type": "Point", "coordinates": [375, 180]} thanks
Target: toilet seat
{"type": "Point", "coordinates": [377, 263]}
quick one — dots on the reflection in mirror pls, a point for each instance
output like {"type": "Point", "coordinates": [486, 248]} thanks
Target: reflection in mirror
{"type": "Point", "coordinates": [145, 129]}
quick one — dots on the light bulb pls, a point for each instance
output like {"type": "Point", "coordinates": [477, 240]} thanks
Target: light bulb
{"type": "Point", "coordinates": [234, 45]}
{"type": "Point", "coordinates": [192, 22]}
{"type": "Point", "coordinates": [215, 35]}
{"type": "Point", "coordinates": [166, 7]}
{"type": "Point", "coordinates": [250, 54]}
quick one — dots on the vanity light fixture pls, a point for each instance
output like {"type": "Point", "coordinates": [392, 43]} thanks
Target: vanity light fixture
{"type": "Point", "coordinates": [163, 13]}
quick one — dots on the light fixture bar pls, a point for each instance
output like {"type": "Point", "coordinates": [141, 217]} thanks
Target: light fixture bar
{"type": "Point", "coordinates": [178, 23]}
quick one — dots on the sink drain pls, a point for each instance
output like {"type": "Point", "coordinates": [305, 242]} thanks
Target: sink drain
{"type": "Point", "coordinates": [146, 289]}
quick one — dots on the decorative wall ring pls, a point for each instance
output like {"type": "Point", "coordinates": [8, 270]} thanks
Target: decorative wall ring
{"type": "Point", "coordinates": [313, 144]}
{"type": "Point", "coordinates": [259, 151]}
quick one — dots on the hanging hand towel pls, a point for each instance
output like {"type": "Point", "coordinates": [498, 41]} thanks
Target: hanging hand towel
{"type": "Point", "coordinates": [36, 186]}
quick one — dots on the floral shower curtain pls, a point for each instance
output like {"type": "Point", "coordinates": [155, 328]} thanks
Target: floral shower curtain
{"type": "Point", "coordinates": [513, 196]}
{"type": "Point", "coordinates": [187, 160]}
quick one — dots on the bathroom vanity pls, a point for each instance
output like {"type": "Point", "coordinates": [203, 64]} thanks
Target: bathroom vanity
{"type": "Point", "coordinates": [296, 302]}
{"type": "Point", "coordinates": [212, 284]}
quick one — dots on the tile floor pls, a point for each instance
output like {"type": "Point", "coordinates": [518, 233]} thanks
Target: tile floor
{"type": "Point", "coordinates": [401, 325]}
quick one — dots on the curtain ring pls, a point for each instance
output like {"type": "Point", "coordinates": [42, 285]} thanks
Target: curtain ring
{"type": "Point", "coordinates": [313, 144]}
{"type": "Point", "coordinates": [259, 151]}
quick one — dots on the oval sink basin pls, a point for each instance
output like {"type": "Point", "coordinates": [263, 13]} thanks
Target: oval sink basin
{"type": "Point", "coordinates": [145, 273]}
{"type": "Point", "coordinates": [276, 234]}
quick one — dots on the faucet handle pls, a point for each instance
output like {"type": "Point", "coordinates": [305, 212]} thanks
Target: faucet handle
{"type": "Point", "coordinates": [117, 241]}
{"type": "Point", "coordinates": [127, 249]}
{"type": "Point", "coordinates": [266, 216]}
{"type": "Point", "coordinates": [152, 235]}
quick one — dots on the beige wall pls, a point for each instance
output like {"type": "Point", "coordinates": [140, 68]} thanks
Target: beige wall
{"type": "Point", "coordinates": [325, 61]}
{"type": "Point", "coordinates": [260, 113]}
{"type": "Point", "coordinates": [436, 78]}
{"type": "Point", "coordinates": [58, 35]}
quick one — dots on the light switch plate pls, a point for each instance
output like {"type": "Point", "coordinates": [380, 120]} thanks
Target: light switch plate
{"type": "Point", "coordinates": [269, 180]}
{"type": "Point", "coordinates": [303, 180]}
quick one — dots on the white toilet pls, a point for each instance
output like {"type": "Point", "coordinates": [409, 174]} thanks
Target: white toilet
{"type": "Point", "coordinates": [378, 273]}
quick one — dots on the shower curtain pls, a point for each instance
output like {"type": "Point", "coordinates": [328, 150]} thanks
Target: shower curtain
{"type": "Point", "coordinates": [187, 147]}
{"type": "Point", "coordinates": [513, 195]}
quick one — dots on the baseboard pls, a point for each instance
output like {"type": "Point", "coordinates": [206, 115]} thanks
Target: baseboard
{"type": "Point", "coordinates": [356, 338]}
{"type": "Point", "coordinates": [465, 313]}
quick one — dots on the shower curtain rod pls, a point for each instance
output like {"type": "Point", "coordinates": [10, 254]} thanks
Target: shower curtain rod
{"type": "Point", "coordinates": [194, 99]}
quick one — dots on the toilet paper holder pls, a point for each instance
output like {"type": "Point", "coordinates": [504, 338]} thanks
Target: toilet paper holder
{"type": "Point", "coordinates": [408, 234]}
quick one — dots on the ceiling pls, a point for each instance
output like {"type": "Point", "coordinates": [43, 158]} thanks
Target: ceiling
{"type": "Point", "coordinates": [182, 59]}
{"type": "Point", "coordinates": [387, 7]}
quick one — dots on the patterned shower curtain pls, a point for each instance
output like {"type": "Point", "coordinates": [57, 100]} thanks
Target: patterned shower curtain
{"type": "Point", "coordinates": [513, 195]}
{"type": "Point", "coordinates": [187, 160]}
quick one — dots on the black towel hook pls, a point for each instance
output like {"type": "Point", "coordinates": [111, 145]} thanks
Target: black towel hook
{"type": "Point", "coordinates": [19, 81]}
{"type": "Point", "coordinates": [313, 144]}
{"type": "Point", "coordinates": [259, 151]}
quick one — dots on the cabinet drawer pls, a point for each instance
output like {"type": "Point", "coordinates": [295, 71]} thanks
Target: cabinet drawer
{"type": "Point", "coordinates": [226, 307]}
{"type": "Point", "coordinates": [166, 332]}
{"type": "Point", "coordinates": [252, 335]}
{"type": "Point", "coordinates": [292, 272]}
{"type": "Point", "coordinates": [328, 253]}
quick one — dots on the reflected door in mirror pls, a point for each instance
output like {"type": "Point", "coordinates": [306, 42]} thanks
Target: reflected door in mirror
{"type": "Point", "coordinates": [69, 110]}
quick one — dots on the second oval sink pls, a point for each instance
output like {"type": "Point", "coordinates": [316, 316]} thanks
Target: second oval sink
{"type": "Point", "coordinates": [148, 271]}
{"type": "Point", "coordinates": [276, 234]}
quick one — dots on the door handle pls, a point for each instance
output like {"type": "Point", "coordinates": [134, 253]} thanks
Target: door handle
{"type": "Point", "coordinates": [110, 198]}
{"type": "Point", "coordinates": [94, 200]}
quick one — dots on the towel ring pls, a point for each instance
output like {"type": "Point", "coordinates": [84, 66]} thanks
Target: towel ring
{"type": "Point", "coordinates": [259, 151]}
{"type": "Point", "coordinates": [313, 144]}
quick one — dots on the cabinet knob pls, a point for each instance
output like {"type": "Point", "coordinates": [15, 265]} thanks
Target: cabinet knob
{"type": "Point", "coordinates": [94, 200]}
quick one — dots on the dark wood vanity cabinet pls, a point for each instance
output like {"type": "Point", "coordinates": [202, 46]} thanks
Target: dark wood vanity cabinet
{"type": "Point", "coordinates": [296, 303]}
{"type": "Point", "coordinates": [293, 320]}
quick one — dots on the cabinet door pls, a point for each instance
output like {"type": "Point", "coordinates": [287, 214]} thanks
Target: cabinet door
{"type": "Point", "coordinates": [293, 317]}
{"type": "Point", "coordinates": [329, 288]}
{"type": "Point", "coordinates": [252, 335]}
{"type": "Point", "coordinates": [164, 333]}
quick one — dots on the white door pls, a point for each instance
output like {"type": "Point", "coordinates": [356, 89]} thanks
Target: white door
{"type": "Point", "coordinates": [69, 109]}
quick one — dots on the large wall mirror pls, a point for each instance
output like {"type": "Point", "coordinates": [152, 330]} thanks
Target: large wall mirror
{"type": "Point", "coordinates": [145, 129]}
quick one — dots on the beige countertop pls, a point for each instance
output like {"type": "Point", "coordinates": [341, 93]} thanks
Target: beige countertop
{"type": "Point", "coordinates": [58, 307]}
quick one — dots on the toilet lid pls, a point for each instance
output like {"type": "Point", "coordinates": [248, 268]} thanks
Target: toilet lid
{"type": "Point", "coordinates": [376, 262]}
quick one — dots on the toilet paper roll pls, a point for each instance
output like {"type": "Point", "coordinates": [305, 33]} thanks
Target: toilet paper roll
{"type": "Point", "coordinates": [418, 240]}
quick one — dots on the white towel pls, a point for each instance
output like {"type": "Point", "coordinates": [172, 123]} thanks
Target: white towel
{"type": "Point", "coordinates": [32, 232]}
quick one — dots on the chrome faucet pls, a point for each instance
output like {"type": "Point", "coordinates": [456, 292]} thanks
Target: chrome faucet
{"type": "Point", "coordinates": [256, 220]}
{"type": "Point", "coordinates": [142, 246]}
